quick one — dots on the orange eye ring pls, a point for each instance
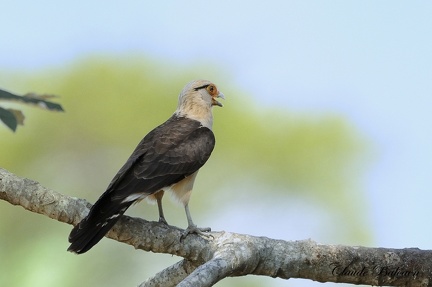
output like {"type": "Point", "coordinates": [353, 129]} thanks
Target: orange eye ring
{"type": "Point", "coordinates": [211, 89]}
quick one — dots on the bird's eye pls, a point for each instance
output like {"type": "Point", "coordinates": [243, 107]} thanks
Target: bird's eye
{"type": "Point", "coordinates": [211, 89]}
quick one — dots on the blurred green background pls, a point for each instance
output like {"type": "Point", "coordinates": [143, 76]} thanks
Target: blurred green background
{"type": "Point", "coordinates": [273, 173]}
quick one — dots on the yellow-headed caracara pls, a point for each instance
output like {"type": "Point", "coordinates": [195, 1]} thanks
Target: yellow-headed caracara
{"type": "Point", "coordinates": [167, 159]}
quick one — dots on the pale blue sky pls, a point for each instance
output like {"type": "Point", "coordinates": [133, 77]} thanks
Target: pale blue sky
{"type": "Point", "coordinates": [370, 61]}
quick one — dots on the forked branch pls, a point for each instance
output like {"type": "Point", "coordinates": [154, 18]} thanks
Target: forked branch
{"type": "Point", "coordinates": [207, 261]}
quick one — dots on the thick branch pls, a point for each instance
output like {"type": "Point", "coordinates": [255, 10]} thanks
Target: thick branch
{"type": "Point", "coordinates": [229, 254]}
{"type": "Point", "coordinates": [171, 276]}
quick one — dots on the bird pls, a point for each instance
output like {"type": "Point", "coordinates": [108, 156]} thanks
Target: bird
{"type": "Point", "coordinates": [167, 159]}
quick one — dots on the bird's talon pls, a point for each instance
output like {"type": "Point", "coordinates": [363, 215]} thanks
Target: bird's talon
{"type": "Point", "coordinates": [163, 221]}
{"type": "Point", "coordinates": [203, 231]}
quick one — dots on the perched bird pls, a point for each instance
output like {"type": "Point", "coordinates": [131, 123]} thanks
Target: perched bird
{"type": "Point", "coordinates": [167, 159]}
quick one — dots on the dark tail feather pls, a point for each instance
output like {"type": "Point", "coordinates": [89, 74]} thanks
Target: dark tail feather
{"type": "Point", "coordinates": [94, 227]}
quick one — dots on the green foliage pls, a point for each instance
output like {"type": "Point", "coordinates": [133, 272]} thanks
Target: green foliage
{"type": "Point", "coordinates": [261, 155]}
{"type": "Point", "coordinates": [12, 118]}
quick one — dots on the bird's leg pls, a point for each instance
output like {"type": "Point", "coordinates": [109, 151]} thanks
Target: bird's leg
{"type": "Point", "coordinates": [192, 228]}
{"type": "Point", "coordinates": [158, 196]}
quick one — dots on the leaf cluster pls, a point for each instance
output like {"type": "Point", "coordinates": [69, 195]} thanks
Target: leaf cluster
{"type": "Point", "coordinates": [13, 117]}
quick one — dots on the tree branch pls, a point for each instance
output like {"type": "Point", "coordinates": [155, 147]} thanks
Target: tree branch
{"type": "Point", "coordinates": [207, 261]}
{"type": "Point", "coordinates": [171, 276]}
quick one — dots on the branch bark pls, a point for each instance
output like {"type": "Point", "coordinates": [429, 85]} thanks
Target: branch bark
{"type": "Point", "coordinates": [207, 261]}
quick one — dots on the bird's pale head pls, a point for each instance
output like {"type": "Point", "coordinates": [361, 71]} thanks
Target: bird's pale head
{"type": "Point", "coordinates": [196, 100]}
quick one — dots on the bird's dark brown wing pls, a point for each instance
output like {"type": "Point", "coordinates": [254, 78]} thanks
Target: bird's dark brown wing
{"type": "Point", "coordinates": [168, 154]}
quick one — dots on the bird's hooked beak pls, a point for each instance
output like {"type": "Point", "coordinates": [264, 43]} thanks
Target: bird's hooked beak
{"type": "Point", "coordinates": [217, 103]}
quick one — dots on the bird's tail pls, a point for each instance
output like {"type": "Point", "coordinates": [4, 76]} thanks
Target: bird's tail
{"type": "Point", "coordinates": [101, 218]}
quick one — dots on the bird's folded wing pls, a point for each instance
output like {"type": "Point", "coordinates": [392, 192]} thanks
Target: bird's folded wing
{"type": "Point", "coordinates": [166, 155]}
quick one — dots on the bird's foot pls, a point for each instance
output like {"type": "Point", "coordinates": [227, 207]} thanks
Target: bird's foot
{"type": "Point", "coordinates": [203, 231]}
{"type": "Point", "coordinates": [163, 220]}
